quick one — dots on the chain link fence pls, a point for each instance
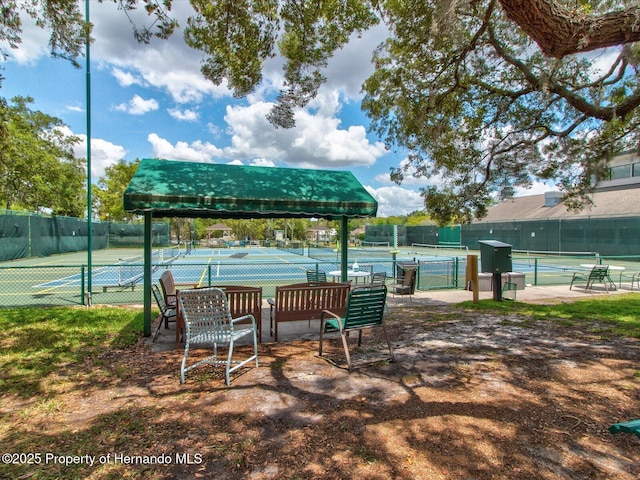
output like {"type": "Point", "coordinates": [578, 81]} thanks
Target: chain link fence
{"type": "Point", "coordinates": [122, 284]}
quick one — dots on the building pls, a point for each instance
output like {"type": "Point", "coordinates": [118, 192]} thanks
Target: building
{"type": "Point", "coordinates": [609, 226]}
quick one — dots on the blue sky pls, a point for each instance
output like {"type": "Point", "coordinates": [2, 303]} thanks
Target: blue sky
{"type": "Point", "coordinates": [152, 101]}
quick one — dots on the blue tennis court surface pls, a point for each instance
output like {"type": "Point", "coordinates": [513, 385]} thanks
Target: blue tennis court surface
{"type": "Point", "coordinates": [205, 266]}
{"type": "Point", "coordinates": [271, 266]}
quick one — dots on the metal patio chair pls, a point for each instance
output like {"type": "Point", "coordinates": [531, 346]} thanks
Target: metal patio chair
{"type": "Point", "coordinates": [167, 312]}
{"type": "Point", "coordinates": [168, 287]}
{"type": "Point", "coordinates": [379, 278]}
{"type": "Point", "coordinates": [632, 427]}
{"type": "Point", "coordinates": [208, 323]}
{"type": "Point", "coordinates": [316, 276]}
{"type": "Point", "coordinates": [365, 310]}
{"type": "Point", "coordinates": [598, 274]}
{"type": "Point", "coordinates": [404, 283]}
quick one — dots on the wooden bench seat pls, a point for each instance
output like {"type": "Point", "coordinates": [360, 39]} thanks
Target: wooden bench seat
{"type": "Point", "coordinates": [306, 301]}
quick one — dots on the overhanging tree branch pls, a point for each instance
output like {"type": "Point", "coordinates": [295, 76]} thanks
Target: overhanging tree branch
{"type": "Point", "coordinates": [559, 31]}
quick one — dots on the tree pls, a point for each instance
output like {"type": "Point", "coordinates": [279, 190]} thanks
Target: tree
{"type": "Point", "coordinates": [458, 85]}
{"type": "Point", "coordinates": [37, 165]}
{"type": "Point", "coordinates": [109, 191]}
{"type": "Point", "coordinates": [479, 105]}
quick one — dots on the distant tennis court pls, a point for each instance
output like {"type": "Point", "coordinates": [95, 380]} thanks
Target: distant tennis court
{"type": "Point", "coordinates": [117, 273]}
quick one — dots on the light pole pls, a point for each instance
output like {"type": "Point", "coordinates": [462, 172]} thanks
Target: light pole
{"type": "Point", "coordinates": [89, 200]}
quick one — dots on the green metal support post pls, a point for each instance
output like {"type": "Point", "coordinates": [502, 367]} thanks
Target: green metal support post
{"type": "Point", "coordinates": [89, 200]}
{"type": "Point", "coordinates": [344, 254]}
{"type": "Point", "coordinates": [148, 224]}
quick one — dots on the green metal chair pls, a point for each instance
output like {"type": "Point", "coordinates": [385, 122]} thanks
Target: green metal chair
{"type": "Point", "coordinates": [365, 309]}
{"type": "Point", "coordinates": [314, 276]}
{"type": "Point", "coordinates": [598, 274]}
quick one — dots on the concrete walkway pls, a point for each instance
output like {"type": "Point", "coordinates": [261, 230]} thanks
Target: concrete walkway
{"type": "Point", "coordinates": [537, 294]}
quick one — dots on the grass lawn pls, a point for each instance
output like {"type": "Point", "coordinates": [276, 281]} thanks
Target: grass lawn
{"type": "Point", "coordinates": [80, 383]}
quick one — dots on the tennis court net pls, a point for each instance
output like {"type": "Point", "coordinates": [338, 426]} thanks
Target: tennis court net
{"type": "Point", "coordinates": [439, 250]}
{"type": "Point", "coordinates": [131, 270]}
{"type": "Point", "coordinates": [381, 252]}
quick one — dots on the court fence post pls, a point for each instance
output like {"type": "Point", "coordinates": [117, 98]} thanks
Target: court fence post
{"type": "Point", "coordinates": [82, 296]}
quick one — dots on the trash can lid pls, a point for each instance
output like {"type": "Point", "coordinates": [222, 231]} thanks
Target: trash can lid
{"type": "Point", "coordinates": [494, 243]}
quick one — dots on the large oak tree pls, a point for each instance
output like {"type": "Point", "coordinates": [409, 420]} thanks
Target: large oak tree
{"type": "Point", "coordinates": [488, 94]}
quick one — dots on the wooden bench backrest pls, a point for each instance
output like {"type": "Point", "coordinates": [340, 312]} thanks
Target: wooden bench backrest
{"type": "Point", "coordinates": [243, 300]}
{"type": "Point", "coordinates": [304, 301]}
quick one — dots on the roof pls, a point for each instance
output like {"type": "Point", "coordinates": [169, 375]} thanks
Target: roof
{"type": "Point", "coordinates": [623, 202]}
{"type": "Point", "coordinates": [170, 188]}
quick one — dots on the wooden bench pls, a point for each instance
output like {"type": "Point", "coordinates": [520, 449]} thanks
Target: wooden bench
{"type": "Point", "coordinates": [306, 301]}
{"type": "Point", "coordinates": [242, 301]}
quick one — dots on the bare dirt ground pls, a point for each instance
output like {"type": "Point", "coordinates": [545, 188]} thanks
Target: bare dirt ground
{"type": "Point", "coordinates": [471, 396]}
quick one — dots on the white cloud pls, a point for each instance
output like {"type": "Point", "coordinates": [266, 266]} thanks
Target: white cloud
{"type": "Point", "coordinates": [536, 188]}
{"type": "Point", "coordinates": [409, 179]}
{"type": "Point", "coordinates": [183, 115]}
{"type": "Point", "coordinates": [196, 151]}
{"type": "Point", "coordinates": [351, 65]}
{"type": "Point", "coordinates": [33, 46]}
{"type": "Point", "coordinates": [75, 108]}
{"type": "Point", "coordinates": [317, 140]}
{"type": "Point", "coordinates": [320, 139]}
{"type": "Point", "coordinates": [126, 79]}
{"type": "Point", "coordinates": [138, 106]}
{"type": "Point", "coordinates": [396, 200]}
{"type": "Point", "coordinates": [103, 153]}
{"type": "Point", "coordinates": [168, 65]}
{"type": "Point", "coordinates": [262, 162]}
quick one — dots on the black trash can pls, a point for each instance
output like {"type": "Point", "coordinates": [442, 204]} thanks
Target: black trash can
{"type": "Point", "coordinates": [495, 258]}
{"type": "Point", "coordinates": [402, 267]}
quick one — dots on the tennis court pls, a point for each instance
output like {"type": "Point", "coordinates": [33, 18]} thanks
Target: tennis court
{"type": "Point", "coordinates": [117, 273]}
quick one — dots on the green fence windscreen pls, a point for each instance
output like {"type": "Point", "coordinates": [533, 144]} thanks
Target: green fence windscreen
{"type": "Point", "coordinates": [14, 237]}
{"type": "Point", "coordinates": [606, 236]}
{"type": "Point", "coordinates": [132, 234]}
{"type": "Point", "coordinates": [32, 235]}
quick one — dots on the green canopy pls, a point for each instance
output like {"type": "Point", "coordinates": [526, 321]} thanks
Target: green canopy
{"type": "Point", "coordinates": [188, 189]}
{"type": "Point", "coordinates": [166, 188]}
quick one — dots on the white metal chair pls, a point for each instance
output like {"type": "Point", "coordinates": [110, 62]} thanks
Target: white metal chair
{"type": "Point", "coordinates": [208, 322]}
